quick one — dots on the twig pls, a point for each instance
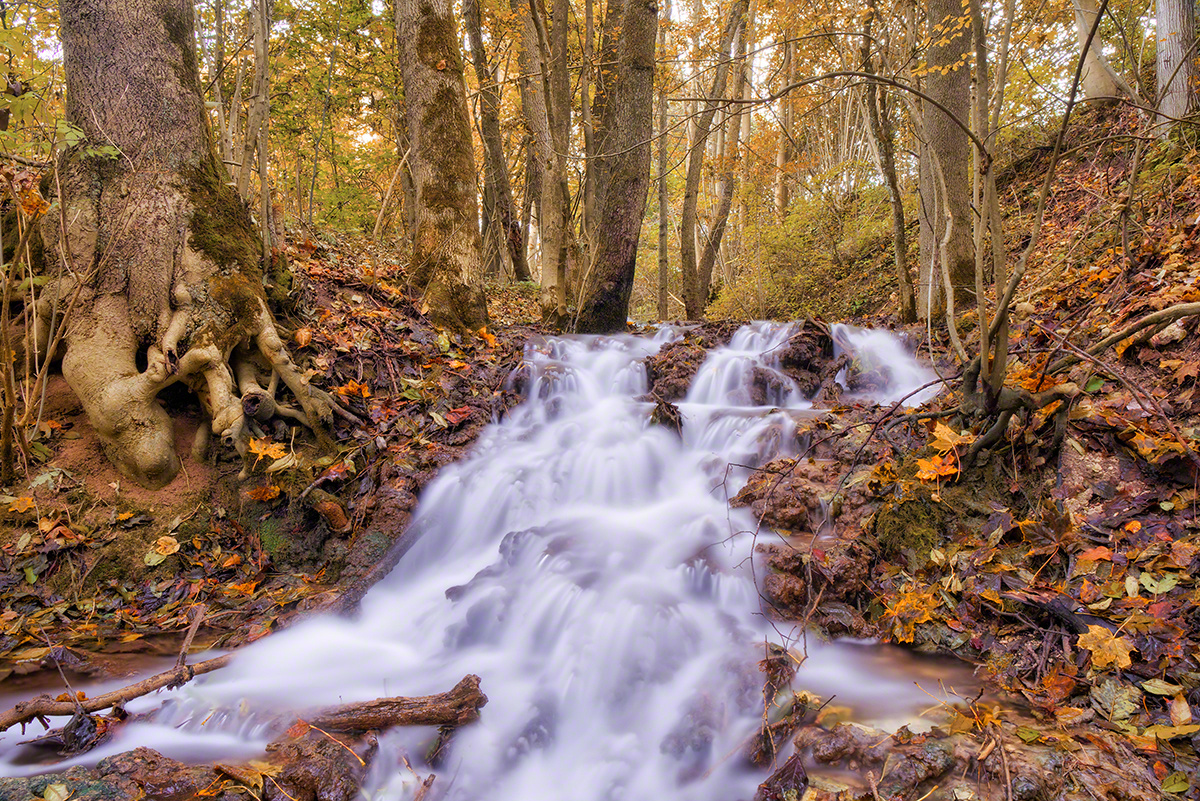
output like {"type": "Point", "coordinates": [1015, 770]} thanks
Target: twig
{"type": "Point", "coordinates": [45, 706]}
{"type": "Point", "coordinates": [198, 614]}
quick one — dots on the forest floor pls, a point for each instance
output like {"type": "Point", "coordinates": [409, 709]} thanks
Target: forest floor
{"type": "Point", "coordinates": [1061, 565]}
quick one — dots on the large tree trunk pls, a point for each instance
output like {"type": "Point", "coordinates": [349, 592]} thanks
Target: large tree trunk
{"type": "Point", "coordinates": [1175, 58]}
{"type": "Point", "coordinates": [167, 263]}
{"type": "Point", "coordinates": [493, 144]}
{"type": "Point", "coordinates": [945, 218]}
{"type": "Point", "coordinates": [446, 261]}
{"type": "Point", "coordinates": [606, 304]}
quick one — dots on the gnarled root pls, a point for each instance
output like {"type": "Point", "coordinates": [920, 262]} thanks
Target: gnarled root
{"type": "Point", "coordinates": [236, 384]}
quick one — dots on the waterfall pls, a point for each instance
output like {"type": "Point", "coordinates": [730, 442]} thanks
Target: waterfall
{"type": "Point", "coordinates": [586, 565]}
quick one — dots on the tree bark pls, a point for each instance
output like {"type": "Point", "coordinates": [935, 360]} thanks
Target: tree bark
{"type": "Point", "coordinates": [664, 264]}
{"type": "Point", "coordinates": [551, 203]}
{"type": "Point", "coordinates": [884, 136]}
{"type": "Point", "coordinates": [693, 297]}
{"type": "Point", "coordinates": [1096, 81]}
{"type": "Point", "coordinates": [1175, 60]}
{"type": "Point", "coordinates": [446, 260]}
{"type": "Point", "coordinates": [166, 262]}
{"type": "Point", "coordinates": [606, 304]}
{"type": "Point", "coordinates": [783, 154]}
{"type": "Point", "coordinates": [949, 83]}
{"type": "Point", "coordinates": [493, 144]}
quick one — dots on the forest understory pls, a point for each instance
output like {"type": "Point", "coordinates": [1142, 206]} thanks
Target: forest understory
{"type": "Point", "coordinates": [1059, 561]}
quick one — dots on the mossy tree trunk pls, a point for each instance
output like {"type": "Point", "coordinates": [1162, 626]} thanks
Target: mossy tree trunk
{"type": "Point", "coordinates": [447, 262]}
{"type": "Point", "coordinates": [161, 251]}
{"type": "Point", "coordinates": [606, 299]}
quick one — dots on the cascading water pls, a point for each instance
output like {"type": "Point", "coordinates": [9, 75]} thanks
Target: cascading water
{"type": "Point", "coordinates": [586, 565]}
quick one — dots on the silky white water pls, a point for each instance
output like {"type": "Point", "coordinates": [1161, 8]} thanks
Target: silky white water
{"type": "Point", "coordinates": [586, 565]}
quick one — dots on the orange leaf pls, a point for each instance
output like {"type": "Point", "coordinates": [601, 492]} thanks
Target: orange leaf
{"type": "Point", "coordinates": [1100, 553]}
{"type": "Point", "coordinates": [21, 505]}
{"type": "Point", "coordinates": [268, 493]}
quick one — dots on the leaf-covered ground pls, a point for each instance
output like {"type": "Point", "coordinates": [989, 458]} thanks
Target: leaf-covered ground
{"type": "Point", "coordinates": [91, 568]}
{"type": "Point", "coordinates": [1063, 564]}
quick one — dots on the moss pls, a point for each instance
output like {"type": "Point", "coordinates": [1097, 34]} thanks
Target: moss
{"type": "Point", "coordinates": [179, 32]}
{"type": "Point", "coordinates": [220, 226]}
{"type": "Point", "coordinates": [913, 524]}
{"type": "Point", "coordinates": [273, 540]}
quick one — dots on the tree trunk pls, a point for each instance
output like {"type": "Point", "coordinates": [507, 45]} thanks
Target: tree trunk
{"type": "Point", "coordinates": [664, 265]}
{"type": "Point", "coordinates": [170, 261]}
{"type": "Point", "coordinates": [1096, 82]}
{"type": "Point", "coordinates": [606, 304]}
{"type": "Point", "coordinates": [446, 259]}
{"type": "Point", "coordinates": [728, 157]}
{"type": "Point", "coordinates": [1175, 59]}
{"type": "Point", "coordinates": [693, 297]}
{"type": "Point", "coordinates": [949, 83]}
{"type": "Point", "coordinates": [783, 155]}
{"type": "Point", "coordinates": [551, 202]}
{"type": "Point", "coordinates": [884, 136]}
{"type": "Point", "coordinates": [493, 144]}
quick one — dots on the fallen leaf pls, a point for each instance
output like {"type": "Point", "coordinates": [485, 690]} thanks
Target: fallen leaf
{"type": "Point", "coordinates": [267, 493]}
{"type": "Point", "coordinates": [1106, 647]}
{"type": "Point", "coordinates": [23, 504]}
{"type": "Point", "coordinates": [265, 447]}
{"type": "Point", "coordinates": [946, 439]}
{"type": "Point", "coordinates": [1181, 713]}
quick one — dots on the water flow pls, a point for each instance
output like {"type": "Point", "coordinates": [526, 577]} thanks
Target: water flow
{"type": "Point", "coordinates": [586, 565]}
{"type": "Point", "coordinates": [900, 376]}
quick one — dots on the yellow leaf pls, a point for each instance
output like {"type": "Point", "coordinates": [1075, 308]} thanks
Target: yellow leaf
{"type": "Point", "coordinates": [945, 438]}
{"type": "Point", "coordinates": [1106, 647]}
{"type": "Point", "coordinates": [264, 447]}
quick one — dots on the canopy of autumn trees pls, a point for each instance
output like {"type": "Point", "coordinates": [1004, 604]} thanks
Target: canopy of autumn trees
{"type": "Point", "coordinates": [787, 137]}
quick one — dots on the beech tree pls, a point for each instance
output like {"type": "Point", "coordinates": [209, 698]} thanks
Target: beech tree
{"type": "Point", "coordinates": [160, 263]}
{"type": "Point", "coordinates": [947, 258]}
{"type": "Point", "coordinates": [606, 304]}
{"type": "Point", "coordinates": [1175, 60]}
{"type": "Point", "coordinates": [447, 259]}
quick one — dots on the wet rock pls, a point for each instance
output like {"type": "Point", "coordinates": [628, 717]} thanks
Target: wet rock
{"type": "Point", "coordinates": [790, 495]}
{"type": "Point", "coordinates": [317, 767]}
{"type": "Point", "coordinates": [786, 784]}
{"type": "Point", "coordinates": [787, 594]}
{"type": "Point", "coordinates": [808, 358]}
{"type": "Point", "coordinates": [670, 371]}
{"type": "Point", "coordinates": [155, 775]}
{"type": "Point", "coordinates": [925, 762]}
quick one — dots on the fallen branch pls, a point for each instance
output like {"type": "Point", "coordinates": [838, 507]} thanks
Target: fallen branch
{"type": "Point", "coordinates": [45, 706]}
{"type": "Point", "coordinates": [456, 707]}
{"type": "Point", "coordinates": [1162, 317]}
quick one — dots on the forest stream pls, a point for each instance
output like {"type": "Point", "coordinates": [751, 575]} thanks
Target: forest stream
{"type": "Point", "coordinates": [587, 565]}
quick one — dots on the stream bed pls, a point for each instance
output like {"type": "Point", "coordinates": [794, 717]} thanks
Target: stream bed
{"type": "Point", "coordinates": [586, 564]}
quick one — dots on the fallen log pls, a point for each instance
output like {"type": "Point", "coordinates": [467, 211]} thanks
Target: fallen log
{"type": "Point", "coordinates": [44, 706]}
{"type": "Point", "coordinates": [455, 707]}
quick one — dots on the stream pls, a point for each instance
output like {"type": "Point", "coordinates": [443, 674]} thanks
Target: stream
{"type": "Point", "coordinates": [586, 565]}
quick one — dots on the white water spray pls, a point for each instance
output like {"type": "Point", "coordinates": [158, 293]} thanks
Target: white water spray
{"type": "Point", "coordinates": [586, 565]}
